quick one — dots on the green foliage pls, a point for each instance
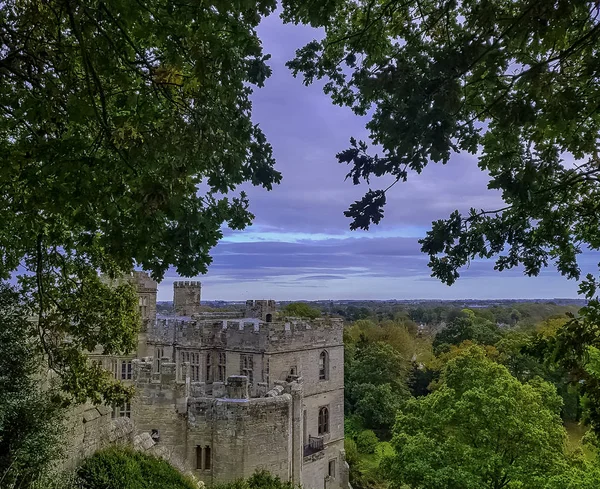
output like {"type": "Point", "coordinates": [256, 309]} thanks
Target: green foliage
{"type": "Point", "coordinates": [480, 428]}
{"type": "Point", "coordinates": [467, 327]}
{"type": "Point", "coordinates": [353, 425]}
{"type": "Point", "coordinates": [261, 479]}
{"type": "Point", "coordinates": [375, 382]}
{"type": "Point", "coordinates": [301, 310]}
{"type": "Point", "coordinates": [124, 127]}
{"type": "Point", "coordinates": [30, 410]}
{"type": "Point", "coordinates": [124, 468]}
{"type": "Point", "coordinates": [367, 441]}
{"type": "Point", "coordinates": [351, 449]}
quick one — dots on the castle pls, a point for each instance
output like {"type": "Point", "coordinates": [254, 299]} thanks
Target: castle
{"type": "Point", "coordinates": [226, 394]}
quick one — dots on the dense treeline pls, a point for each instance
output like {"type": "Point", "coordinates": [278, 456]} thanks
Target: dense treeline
{"type": "Point", "coordinates": [474, 399]}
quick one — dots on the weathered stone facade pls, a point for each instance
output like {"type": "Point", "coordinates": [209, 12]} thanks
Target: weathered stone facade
{"type": "Point", "coordinates": [226, 397]}
{"type": "Point", "coordinates": [186, 297]}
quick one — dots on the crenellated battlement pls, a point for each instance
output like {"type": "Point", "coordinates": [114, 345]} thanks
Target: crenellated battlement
{"type": "Point", "coordinates": [246, 333]}
{"type": "Point", "coordinates": [187, 284]}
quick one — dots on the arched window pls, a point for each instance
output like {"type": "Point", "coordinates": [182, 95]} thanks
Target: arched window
{"type": "Point", "coordinates": [269, 318]}
{"type": "Point", "coordinates": [323, 420]}
{"type": "Point", "coordinates": [324, 366]}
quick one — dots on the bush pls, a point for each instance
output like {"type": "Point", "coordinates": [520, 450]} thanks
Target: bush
{"type": "Point", "coordinates": [261, 479]}
{"type": "Point", "coordinates": [367, 441]}
{"type": "Point", "coordinates": [351, 451]}
{"type": "Point", "coordinates": [124, 468]}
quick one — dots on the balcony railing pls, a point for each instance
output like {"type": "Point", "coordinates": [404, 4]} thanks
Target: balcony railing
{"type": "Point", "coordinates": [315, 444]}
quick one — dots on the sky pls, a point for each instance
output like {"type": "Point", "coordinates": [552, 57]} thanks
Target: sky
{"type": "Point", "coordinates": [300, 246]}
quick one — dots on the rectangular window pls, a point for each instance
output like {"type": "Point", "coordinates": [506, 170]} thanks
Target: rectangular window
{"type": "Point", "coordinates": [332, 468]}
{"type": "Point", "coordinates": [126, 370]}
{"type": "Point", "coordinates": [199, 457]}
{"type": "Point", "coordinates": [247, 367]}
{"type": "Point", "coordinates": [114, 367]}
{"type": "Point", "coordinates": [209, 367]}
{"type": "Point", "coordinates": [159, 352]}
{"type": "Point", "coordinates": [207, 458]}
{"type": "Point", "coordinates": [122, 411]}
{"type": "Point", "coordinates": [222, 367]}
{"type": "Point", "coordinates": [193, 358]}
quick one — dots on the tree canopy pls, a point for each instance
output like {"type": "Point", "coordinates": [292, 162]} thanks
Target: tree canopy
{"type": "Point", "coordinates": [123, 127]}
{"type": "Point", "coordinates": [301, 310]}
{"type": "Point", "coordinates": [481, 428]}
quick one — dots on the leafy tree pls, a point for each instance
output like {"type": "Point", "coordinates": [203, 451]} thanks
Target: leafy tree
{"type": "Point", "coordinates": [467, 327]}
{"type": "Point", "coordinates": [30, 413]}
{"type": "Point", "coordinates": [481, 428]}
{"type": "Point", "coordinates": [376, 383]}
{"type": "Point", "coordinates": [124, 126]}
{"type": "Point", "coordinates": [301, 310]}
{"type": "Point", "coordinates": [367, 441]}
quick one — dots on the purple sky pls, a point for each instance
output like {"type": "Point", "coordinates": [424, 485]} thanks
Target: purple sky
{"type": "Point", "coordinates": [300, 246]}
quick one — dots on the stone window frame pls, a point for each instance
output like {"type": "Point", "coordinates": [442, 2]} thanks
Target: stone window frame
{"type": "Point", "coordinates": [247, 366]}
{"type": "Point", "coordinates": [159, 352]}
{"type": "Point", "coordinates": [193, 358]}
{"type": "Point", "coordinates": [222, 366]}
{"type": "Point", "coordinates": [121, 411]}
{"type": "Point", "coordinates": [331, 468]}
{"type": "Point", "coordinates": [324, 365]}
{"type": "Point", "coordinates": [126, 370]}
{"type": "Point", "coordinates": [203, 457]}
{"type": "Point", "coordinates": [114, 367]}
{"type": "Point", "coordinates": [209, 377]}
{"type": "Point", "coordinates": [323, 420]}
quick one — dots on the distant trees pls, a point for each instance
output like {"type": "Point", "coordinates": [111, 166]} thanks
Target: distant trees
{"type": "Point", "coordinates": [467, 327]}
{"type": "Point", "coordinates": [301, 310]}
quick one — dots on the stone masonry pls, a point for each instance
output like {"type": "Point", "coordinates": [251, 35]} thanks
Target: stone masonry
{"type": "Point", "coordinates": [186, 297]}
{"type": "Point", "coordinates": [224, 397]}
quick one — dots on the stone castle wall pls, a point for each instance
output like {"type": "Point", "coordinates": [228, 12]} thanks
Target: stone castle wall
{"type": "Point", "coordinates": [247, 334]}
{"type": "Point", "coordinates": [243, 434]}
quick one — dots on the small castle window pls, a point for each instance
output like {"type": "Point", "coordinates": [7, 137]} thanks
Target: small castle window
{"type": "Point", "coordinates": [332, 468]}
{"type": "Point", "coordinates": [122, 411]}
{"type": "Point", "coordinates": [193, 358]}
{"type": "Point", "coordinates": [158, 354]}
{"type": "Point", "coordinates": [222, 366]}
{"type": "Point", "coordinates": [324, 366]}
{"type": "Point", "coordinates": [323, 420]}
{"type": "Point", "coordinates": [293, 370]}
{"type": "Point", "coordinates": [207, 459]}
{"type": "Point", "coordinates": [199, 457]}
{"type": "Point", "coordinates": [126, 370]}
{"type": "Point", "coordinates": [209, 367]}
{"type": "Point", "coordinates": [269, 318]}
{"type": "Point", "coordinates": [247, 367]}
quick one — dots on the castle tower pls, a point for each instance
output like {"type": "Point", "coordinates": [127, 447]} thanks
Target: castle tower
{"type": "Point", "coordinates": [146, 291]}
{"type": "Point", "coordinates": [186, 297]}
{"type": "Point", "coordinates": [261, 309]}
